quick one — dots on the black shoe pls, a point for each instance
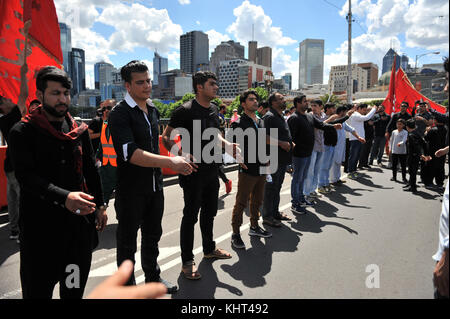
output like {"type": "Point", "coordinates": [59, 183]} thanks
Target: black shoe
{"type": "Point", "coordinates": [171, 288]}
{"type": "Point", "coordinates": [236, 241]}
{"type": "Point", "coordinates": [406, 186]}
{"type": "Point", "coordinates": [410, 189]}
{"type": "Point", "coordinates": [14, 235]}
{"type": "Point", "coordinates": [394, 179]}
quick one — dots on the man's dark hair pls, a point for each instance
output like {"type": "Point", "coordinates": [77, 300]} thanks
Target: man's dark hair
{"type": "Point", "coordinates": [201, 77]}
{"type": "Point", "coordinates": [35, 102]}
{"type": "Point", "coordinates": [328, 106]}
{"type": "Point", "coordinates": [404, 103]}
{"type": "Point", "coordinates": [245, 95]}
{"type": "Point", "coordinates": [264, 104]}
{"type": "Point", "coordinates": [272, 98]}
{"type": "Point", "coordinates": [348, 106]}
{"type": "Point", "coordinates": [446, 66]}
{"type": "Point", "coordinates": [222, 107]}
{"type": "Point", "coordinates": [299, 99]}
{"type": "Point", "coordinates": [52, 73]}
{"type": "Point", "coordinates": [132, 66]}
{"type": "Point", "coordinates": [411, 123]}
{"type": "Point", "coordinates": [362, 106]}
{"type": "Point", "coordinates": [341, 109]}
{"type": "Point", "coordinates": [402, 121]}
{"type": "Point", "coordinates": [317, 101]}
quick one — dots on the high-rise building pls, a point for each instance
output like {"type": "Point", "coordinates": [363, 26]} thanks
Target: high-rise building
{"type": "Point", "coordinates": [238, 75]}
{"type": "Point", "coordinates": [100, 66]}
{"type": "Point", "coordinates": [78, 74]}
{"type": "Point", "coordinates": [66, 46]}
{"type": "Point", "coordinates": [261, 56]}
{"type": "Point", "coordinates": [337, 81]}
{"type": "Point", "coordinates": [194, 51]}
{"type": "Point", "coordinates": [400, 61]}
{"type": "Point", "coordinates": [372, 73]}
{"type": "Point", "coordinates": [288, 80]}
{"type": "Point", "coordinates": [160, 65]}
{"type": "Point", "coordinates": [103, 73]}
{"type": "Point", "coordinates": [311, 62]}
{"type": "Point", "coordinates": [226, 51]}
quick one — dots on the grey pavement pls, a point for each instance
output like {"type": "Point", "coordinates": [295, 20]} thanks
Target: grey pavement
{"type": "Point", "coordinates": [366, 239]}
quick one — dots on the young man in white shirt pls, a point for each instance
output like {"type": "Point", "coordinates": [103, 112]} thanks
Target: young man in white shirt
{"type": "Point", "coordinates": [362, 114]}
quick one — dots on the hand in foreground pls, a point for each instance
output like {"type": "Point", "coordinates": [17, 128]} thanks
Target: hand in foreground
{"type": "Point", "coordinates": [362, 140]}
{"type": "Point", "coordinates": [113, 287]}
{"type": "Point", "coordinates": [426, 158]}
{"type": "Point", "coordinates": [441, 152]}
{"type": "Point", "coordinates": [440, 275]}
{"type": "Point", "coordinates": [80, 203]}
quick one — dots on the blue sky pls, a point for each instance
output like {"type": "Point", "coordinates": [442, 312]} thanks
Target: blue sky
{"type": "Point", "coordinates": [119, 31]}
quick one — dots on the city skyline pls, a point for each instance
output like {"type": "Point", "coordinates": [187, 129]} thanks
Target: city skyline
{"type": "Point", "coordinates": [104, 31]}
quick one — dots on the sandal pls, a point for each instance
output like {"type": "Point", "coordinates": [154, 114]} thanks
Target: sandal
{"type": "Point", "coordinates": [189, 271]}
{"type": "Point", "coordinates": [219, 254]}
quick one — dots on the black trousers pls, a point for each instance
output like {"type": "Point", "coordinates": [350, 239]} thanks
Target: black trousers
{"type": "Point", "coordinates": [402, 159]}
{"type": "Point", "coordinates": [347, 154]}
{"type": "Point", "coordinates": [365, 152]}
{"type": "Point", "coordinates": [413, 167]}
{"type": "Point", "coordinates": [144, 212]}
{"type": "Point", "coordinates": [433, 170]}
{"type": "Point", "coordinates": [201, 193]}
{"type": "Point", "coordinates": [48, 257]}
{"type": "Point", "coordinates": [222, 175]}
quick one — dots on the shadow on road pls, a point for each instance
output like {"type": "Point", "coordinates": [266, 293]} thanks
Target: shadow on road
{"type": "Point", "coordinates": [337, 196]}
{"type": "Point", "coordinates": [107, 238]}
{"type": "Point", "coordinates": [326, 209]}
{"type": "Point", "coordinates": [204, 288]}
{"type": "Point", "coordinates": [311, 223]}
{"type": "Point", "coordinates": [367, 181]}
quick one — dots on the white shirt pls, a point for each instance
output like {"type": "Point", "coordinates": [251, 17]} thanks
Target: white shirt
{"type": "Point", "coordinates": [357, 122]}
{"type": "Point", "coordinates": [443, 227]}
{"type": "Point", "coordinates": [398, 137]}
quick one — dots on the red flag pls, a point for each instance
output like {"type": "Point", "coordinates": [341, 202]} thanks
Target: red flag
{"type": "Point", "coordinates": [389, 102]}
{"type": "Point", "coordinates": [405, 91]}
{"type": "Point", "coordinates": [42, 46]}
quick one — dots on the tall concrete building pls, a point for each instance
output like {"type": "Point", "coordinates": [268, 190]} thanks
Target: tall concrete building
{"type": "Point", "coordinates": [337, 81]}
{"type": "Point", "coordinates": [78, 74]}
{"type": "Point", "coordinates": [238, 75]}
{"type": "Point", "coordinates": [311, 62]}
{"type": "Point", "coordinates": [194, 51]}
{"type": "Point", "coordinates": [66, 46]}
{"type": "Point", "coordinates": [261, 56]}
{"type": "Point", "coordinates": [226, 51]}
{"type": "Point", "coordinates": [160, 65]}
{"type": "Point", "coordinates": [372, 73]}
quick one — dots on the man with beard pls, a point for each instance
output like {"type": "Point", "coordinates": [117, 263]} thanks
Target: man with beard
{"type": "Point", "coordinates": [60, 190]}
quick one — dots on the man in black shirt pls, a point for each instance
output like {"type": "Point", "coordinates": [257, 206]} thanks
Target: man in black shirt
{"type": "Point", "coordinates": [274, 120]}
{"type": "Point", "coordinates": [201, 190]}
{"type": "Point", "coordinates": [95, 128]}
{"type": "Point", "coordinates": [11, 115]}
{"type": "Point", "coordinates": [380, 122]}
{"type": "Point", "coordinates": [139, 203]}
{"type": "Point", "coordinates": [251, 179]}
{"type": "Point", "coordinates": [301, 126]}
{"type": "Point", "coordinates": [60, 190]}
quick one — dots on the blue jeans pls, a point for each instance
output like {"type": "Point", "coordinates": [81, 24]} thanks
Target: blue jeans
{"type": "Point", "coordinates": [324, 173]}
{"type": "Point", "coordinates": [272, 193]}
{"type": "Point", "coordinates": [301, 165]}
{"type": "Point", "coordinates": [355, 149]}
{"type": "Point", "coordinates": [312, 178]}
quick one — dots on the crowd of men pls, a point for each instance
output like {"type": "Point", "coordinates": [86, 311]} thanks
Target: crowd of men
{"type": "Point", "coordinates": [65, 183]}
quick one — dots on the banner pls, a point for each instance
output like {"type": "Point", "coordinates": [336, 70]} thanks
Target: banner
{"type": "Point", "coordinates": [44, 46]}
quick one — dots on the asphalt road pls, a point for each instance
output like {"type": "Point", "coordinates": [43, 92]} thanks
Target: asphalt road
{"type": "Point", "coordinates": [366, 239]}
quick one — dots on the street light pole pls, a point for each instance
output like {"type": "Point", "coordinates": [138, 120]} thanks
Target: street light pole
{"type": "Point", "coordinates": [415, 65]}
{"type": "Point", "coordinates": [349, 67]}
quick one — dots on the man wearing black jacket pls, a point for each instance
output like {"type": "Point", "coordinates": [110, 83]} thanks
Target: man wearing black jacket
{"type": "Point", "coordinates": [416, 148]}
{"type": "Point", "coordinates": [60, 190]}
{"type": "Point", "coordinates": [301, 126]}
{"type": "Point", "coordinates": [380, 122]}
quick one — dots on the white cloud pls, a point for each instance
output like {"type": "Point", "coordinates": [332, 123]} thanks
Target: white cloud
{"type": "Point", "coordinates": [139, 26]}
{"type": "Point", "coordinates": [174, 60]}
{"type": "Point", "coordinates": [184, 2]}
{"type": "Point", "coordinates": [266, 34]}
{"type": "Point", "coordinates": [215, 38]}
{"type": "Point", "coordinates": [282, 63]}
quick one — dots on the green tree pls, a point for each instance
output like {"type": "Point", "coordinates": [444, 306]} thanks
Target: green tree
{"type": "Point", "coordinates": [327, 99]}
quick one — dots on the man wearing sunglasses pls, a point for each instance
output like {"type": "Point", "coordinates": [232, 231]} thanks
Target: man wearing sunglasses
{"type": "Point", "coordinates": [106, 156]}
